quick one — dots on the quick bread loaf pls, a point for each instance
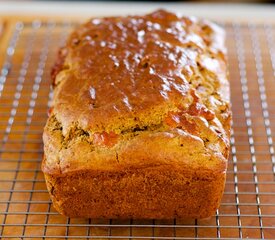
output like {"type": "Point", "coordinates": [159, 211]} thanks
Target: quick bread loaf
{"type": "Point", "coordinates": [140, 121]}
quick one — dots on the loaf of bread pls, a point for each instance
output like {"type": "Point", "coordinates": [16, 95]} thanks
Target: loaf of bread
{"type": "Point", "coordinates": [140, 120]}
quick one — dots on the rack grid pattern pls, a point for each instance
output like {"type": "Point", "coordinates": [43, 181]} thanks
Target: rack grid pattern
{"type": "Point", "coordinates": [248, 205]}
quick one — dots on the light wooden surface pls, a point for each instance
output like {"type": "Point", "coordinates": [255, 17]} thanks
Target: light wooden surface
{"type": "Point", "coordinates": [83, 10]}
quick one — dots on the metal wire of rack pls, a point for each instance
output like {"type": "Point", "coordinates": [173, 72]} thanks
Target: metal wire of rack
{"type": "Point", "coordinates": [248, 206]}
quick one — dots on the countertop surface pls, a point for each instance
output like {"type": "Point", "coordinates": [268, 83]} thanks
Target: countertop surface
{"type": "Point", "coordinates": [255, 12]}
{"type": "Point", "coordinates": [27, 51]}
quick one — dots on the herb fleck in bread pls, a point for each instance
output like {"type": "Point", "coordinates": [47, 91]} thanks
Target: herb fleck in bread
{"type": "Point", "coordinates": [140, 122]}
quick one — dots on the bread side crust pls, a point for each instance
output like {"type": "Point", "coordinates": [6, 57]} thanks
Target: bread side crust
{"type": "Point", "coordinates": [168, 174]}
{"type": "Point", "coordinates": [159, 192]}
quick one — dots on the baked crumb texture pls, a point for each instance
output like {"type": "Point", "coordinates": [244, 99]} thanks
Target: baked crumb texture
{"type": "Point", "coordinates": [140, 121]}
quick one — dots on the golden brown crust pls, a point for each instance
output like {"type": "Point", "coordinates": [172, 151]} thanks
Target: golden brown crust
{"type": "Point", "coordinates": [141, 107]}
{"type": "Point", "coordinates": [131, 71]}
{"type": "Point", "coordinates": [138, 193]}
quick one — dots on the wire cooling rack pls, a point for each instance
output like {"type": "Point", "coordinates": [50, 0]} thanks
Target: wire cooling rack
{"type": "Point", "coordinates": [26, 212]}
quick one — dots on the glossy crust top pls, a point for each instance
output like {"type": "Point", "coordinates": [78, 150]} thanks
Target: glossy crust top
{"type": "Point", "coordinates": [122, 82]}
